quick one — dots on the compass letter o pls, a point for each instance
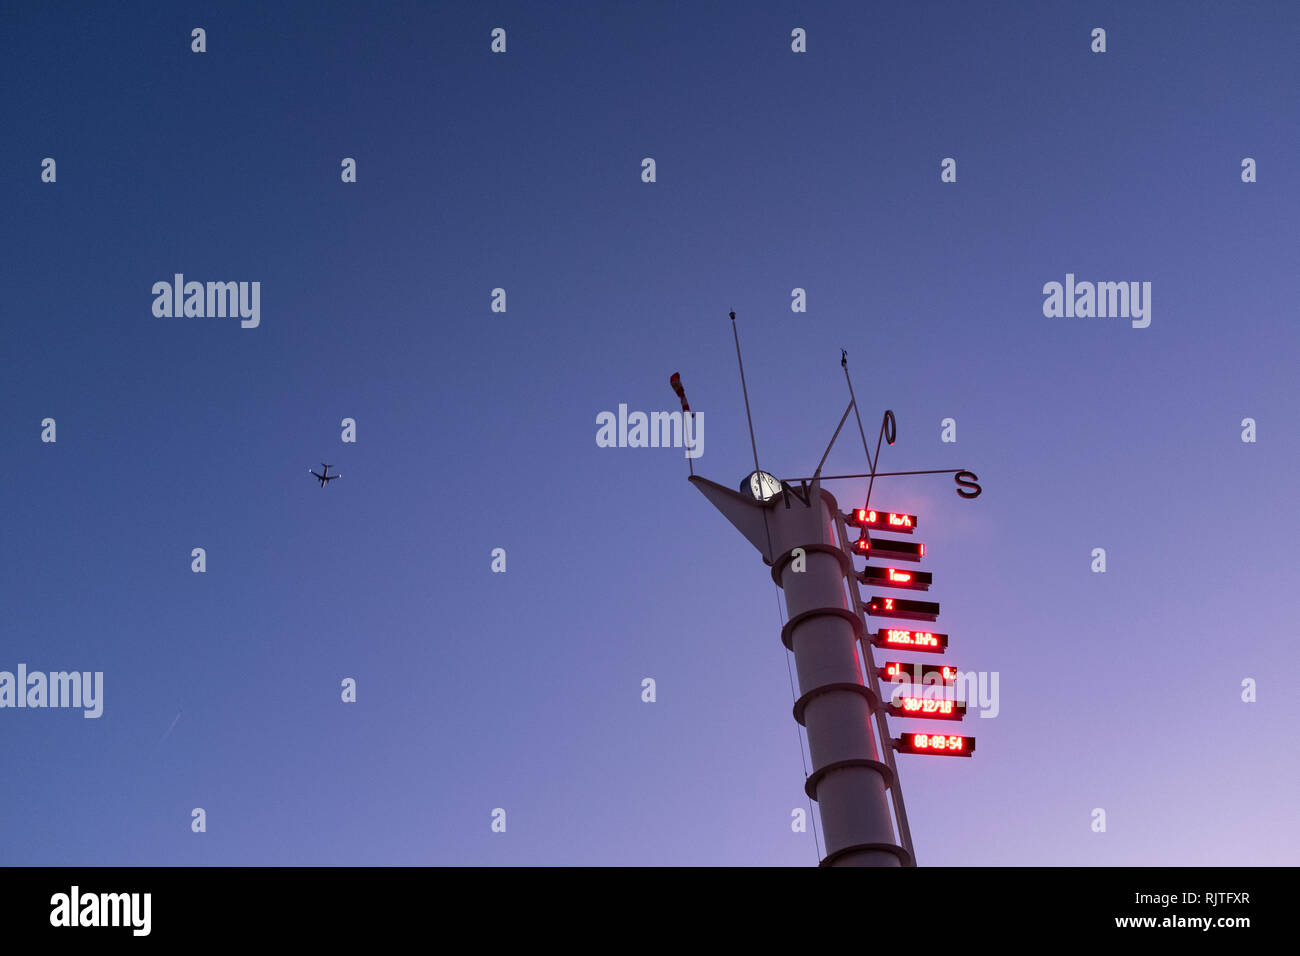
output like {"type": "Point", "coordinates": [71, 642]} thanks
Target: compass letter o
{"type": "Point", "coordinates": [889, 426]}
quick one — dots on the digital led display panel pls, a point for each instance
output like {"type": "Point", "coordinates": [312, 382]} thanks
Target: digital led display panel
{"type": "Point", "coordinates": [898, 607]}
{"type": "Point", "coordinates": [891, 549]}
{"type": "Point", "coordinates": [910, 640]}
{"type": "Point", "coordinates": [917, 673]}
{"type": "Point", "coordinates": [882, 520]}
{"type": "Point", "coordinates": [897, 578]}
{"type": "Point", "coordinates": [932, 708]}
{"type": "Point", "coordinates": [951, 745]}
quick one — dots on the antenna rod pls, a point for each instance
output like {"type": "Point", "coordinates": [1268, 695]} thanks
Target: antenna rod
{"type": "Point", "coordinates": [882, 474]}
{"type": "Point", "coordinates": [745, 390]}
{"type": "Point", "coordinates": [843, 418]}
{"type": "Point", "coordinates": [872, 483]}
{"type": "Point", "coordinates": [844, 364]}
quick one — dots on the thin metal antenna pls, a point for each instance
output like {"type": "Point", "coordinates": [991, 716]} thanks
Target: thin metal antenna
{"type": "Point", "coordinates": [872, 483]}
{"type": "Point", "coordinates": [843, 418]}
{"type": "Point", "coordinates": [745, 389]}
{"type": "Point", "coordinates": [767, 528]}
{"type": "Point", "coordinates": [844, 364]}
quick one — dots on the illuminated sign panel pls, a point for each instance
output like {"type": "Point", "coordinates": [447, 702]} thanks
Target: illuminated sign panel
{"type": "Point", "coordinates": [918, 673]}
{"type": "Point", "coordinates": [933, 708]}
{"type": "Point", "coordinates": [882, 520]}
{"type": "Point", "coordinates": [910, 640]}
{"type": "Point", "coordinates": [893, 550]}
{"type": "Point", "coordinates": [951, 745]}
{"type": "Point", "coordinates": [897, 607]}
{"type": "Point", "coordinates": [897, 578]}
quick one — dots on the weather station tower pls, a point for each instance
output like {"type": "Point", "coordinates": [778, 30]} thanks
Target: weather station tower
{"type": "Point", "coordinates": [801, 534]}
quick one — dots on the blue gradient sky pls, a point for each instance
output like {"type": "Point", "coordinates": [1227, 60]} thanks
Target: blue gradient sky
{"type": "Point", "coordinates": [476, 430]}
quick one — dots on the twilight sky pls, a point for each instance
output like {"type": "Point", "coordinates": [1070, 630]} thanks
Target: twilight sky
{"type": "Point", "coordinates": [476, 429]}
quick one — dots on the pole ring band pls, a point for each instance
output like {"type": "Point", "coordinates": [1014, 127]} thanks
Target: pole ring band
{"type": "Point", "coordinates": [846, 564]}
{"type": "Point", "coordinates": [873, 703]}
{"type": "Point", "coordinates": [787, 632]}
{"type": "Point", "coordinates": [814, 778]}
{"type": "Point", "coordinates": [903, 856]}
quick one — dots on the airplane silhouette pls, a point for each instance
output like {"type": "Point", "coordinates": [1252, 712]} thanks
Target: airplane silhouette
{"type": "Point", "coordinates": [327, 476]}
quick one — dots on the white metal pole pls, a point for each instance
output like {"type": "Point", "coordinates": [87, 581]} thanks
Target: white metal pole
{"type": "Point", "coordinates": [849, 780]}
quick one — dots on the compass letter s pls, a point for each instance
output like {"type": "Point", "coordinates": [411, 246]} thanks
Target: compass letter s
{"type": "Point", "coordinates": [967, 479]}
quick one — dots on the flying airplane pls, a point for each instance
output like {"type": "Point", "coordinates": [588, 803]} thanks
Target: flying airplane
{"type": "Point", "coordinates": [325, 477]}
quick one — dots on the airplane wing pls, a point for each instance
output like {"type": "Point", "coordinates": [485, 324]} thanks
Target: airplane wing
{"type": "Point", "coordinates": [314, 473]}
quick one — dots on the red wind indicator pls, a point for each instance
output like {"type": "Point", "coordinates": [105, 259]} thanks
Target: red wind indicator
{"type": "Point", "coordinates": [676, 383]}
{"type": "Point", "coordinates": [881, 520]}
